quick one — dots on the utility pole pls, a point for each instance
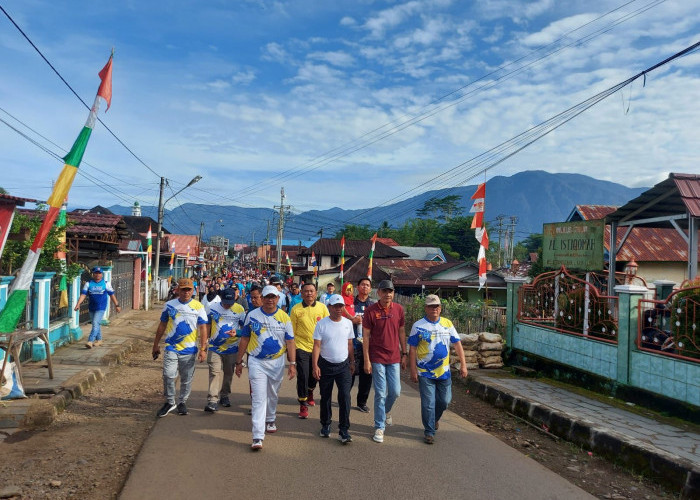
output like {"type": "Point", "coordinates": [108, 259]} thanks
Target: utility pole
{"type": "Point", "coordinates": [199, 243]}
{"type": "Point", "coordinates": [513, 222]}
{"type": "Point", "coordinates": [320, 233]}
{"type": "Point", "coordinates": [160, 230]}
{"type": "Point", "coordinates": [500, 233]}
{"type": "Point", "coordinates": [280, 230]}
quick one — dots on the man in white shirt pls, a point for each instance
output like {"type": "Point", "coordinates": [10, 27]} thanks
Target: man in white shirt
{"type": "Point", "coordinates": [333, 360]}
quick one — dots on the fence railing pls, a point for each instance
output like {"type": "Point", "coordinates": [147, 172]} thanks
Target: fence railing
{"type": "Point", "coordinates": [563, 302]}
{"type": "Point", "coordinates": [670, 327]}
{"type": "Point", "coordinates": [467, 317]}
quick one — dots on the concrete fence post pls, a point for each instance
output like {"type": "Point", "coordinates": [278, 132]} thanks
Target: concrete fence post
{"type": "Point", "coordinates": [107, 275]}
{"type": "Point", "coordinates": [76, 332]}
{"type": "Point", "coordinates": [513, 285]}
{"type": "Point", "coordinates": [628, 316]}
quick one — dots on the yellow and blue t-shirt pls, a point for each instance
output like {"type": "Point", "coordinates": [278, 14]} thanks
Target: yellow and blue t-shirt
{"type": "Point", "coordinates": [268, 333]}
{"type": "Point", "coordinates": [304, 319]}
{"type": "Point", "coordinates": [182, 322]}
{"type": "Point", "coordinates": [225, 327]}
{"type": "Point", "coordinates": [432, 342]}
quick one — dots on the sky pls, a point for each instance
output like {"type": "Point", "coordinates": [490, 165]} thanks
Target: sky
{"type": "Point", "coordinates": [342, 103]}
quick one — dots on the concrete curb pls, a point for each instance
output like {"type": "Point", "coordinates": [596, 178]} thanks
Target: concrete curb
{"type": "Point", "coordinates": [643, 458]}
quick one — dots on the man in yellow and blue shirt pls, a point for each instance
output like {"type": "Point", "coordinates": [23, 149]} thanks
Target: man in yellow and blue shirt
{"type": "Point", "coordinates": [429, 361]}
{"type": "Point", "coordinates": [225, 322]}
{"type": "Point", "coordinates": [266, 336]}
{"type": "Point", "coordinates": [181, 320]}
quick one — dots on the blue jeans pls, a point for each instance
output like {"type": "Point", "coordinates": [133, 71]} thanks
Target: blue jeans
{"type": "Point", "coordinates": [96, 319]}
{"type": "Point", "coordinates": [387, 388]}
{"type": "Point", "coordinates": [435, 395]}
{"type": "Point", "coordinates": [174, 364]}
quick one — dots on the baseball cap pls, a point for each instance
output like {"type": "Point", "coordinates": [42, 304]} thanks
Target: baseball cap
{"type": "Point", "coordinates": [96, 269]}
{"type": "Point", "coordinates": [330, 284]}
{"type": "Point", "coordinates": [270, 290]}
{"type": "Point", "coordinates": [432, 300]}
{"type": "Point", "coordinates": [275, 280]}
{"type": "Point", "coordinates": [385, 285]}
{"type": "Point", "coordinates": [228, 297]}
{"type": "Point", "coordinates": [335, 300]}
{"type": "Point", "coordinates": [185, 283]}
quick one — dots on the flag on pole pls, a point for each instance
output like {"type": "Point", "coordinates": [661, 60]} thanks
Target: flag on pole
{"type": "Point", "coordinates": [314, 264]}
{"type": "Point", "coordinates": [172, 258]}
{"type": "Point", "coordinates": [478, 206]}
{"type": "Point", "coordinates": [289, 264]}
{"type": "Point", "coordinates": [17, 299]}
{"type": "Point", "coordinates": [60, 255]}
{"type": "Point", "coordinates": [342, 259]}
{"type": "Point", "coordinates": [480, 230]}
{"type": "Point", "coordinates": [371, 257]}
{"type": "Point", "coordinates": [149, 236]}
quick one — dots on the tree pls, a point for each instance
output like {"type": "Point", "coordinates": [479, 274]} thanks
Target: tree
{"type": "Point", "coordinates": [458, 237]}
{"type": "Point", "coordinates": [16, 252]}
{"type": "Point", "coordinates": [355, 232]}
{"type": "Point", "coordinates": [440, 208]}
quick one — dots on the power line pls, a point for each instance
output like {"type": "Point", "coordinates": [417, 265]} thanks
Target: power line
{"type": "Point", "coordinates": [74, 92]}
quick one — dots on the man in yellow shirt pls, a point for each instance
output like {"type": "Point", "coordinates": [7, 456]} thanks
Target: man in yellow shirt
{"type": "Point", "coordinates": [304, 317]}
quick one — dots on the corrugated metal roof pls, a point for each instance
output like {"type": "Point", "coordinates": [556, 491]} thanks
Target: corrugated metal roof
{"type": "Point", "coordinates": [644, 244]}
{"type": "Point", "coordinates": [328, 246]}
{"type": "Point", "coordinates": [422, 253]}
{"type": "Point", "coordinates": [16, 199]}
{"type": "Point", "coordinates": [679, 194]}
{"type": "Point", "coordinates": [594, 212]}
{"type": "Point", "coordinates": [388, 241]}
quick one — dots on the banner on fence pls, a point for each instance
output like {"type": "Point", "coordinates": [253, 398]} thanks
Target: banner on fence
{"type": "Point", "coordinates": [576, 245]}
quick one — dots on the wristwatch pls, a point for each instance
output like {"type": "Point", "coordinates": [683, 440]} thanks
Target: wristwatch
{"type": "Point", "coordinates": [292, 363]}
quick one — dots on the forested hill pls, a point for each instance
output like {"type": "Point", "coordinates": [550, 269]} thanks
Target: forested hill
{"type": "Point", "coordinates": [533, 196]}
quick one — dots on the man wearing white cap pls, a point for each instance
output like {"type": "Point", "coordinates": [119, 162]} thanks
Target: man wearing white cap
{"type": "Point", "coordinates": [429, 361]}
{"type": "Point", "coordinates": [333, 360]}
{"type": "Point", "coordinates": [266, 336]}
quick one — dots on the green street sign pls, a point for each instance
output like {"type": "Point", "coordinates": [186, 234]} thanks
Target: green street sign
{"type": "Point", "coordinates": [576, 245]}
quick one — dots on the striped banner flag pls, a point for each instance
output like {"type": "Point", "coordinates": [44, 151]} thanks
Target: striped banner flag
{"type": "Point", "coordinates": [371, 256]}
{"type": "Point", "coordinates": [314, 264]}
{"type": "Point", "coordinates": [172, 258]}
{"type": "Point", "coordinates": [149, 236]}
{"type": "Point", "coordinates": [60, 255]}
{"type": "Point", "coordinates": [289, 264]}
{"type": "Point", "coordinates": [342, 259]}
{"type": "Point", "coordinates": [478, 207]}
{"type": "Point", "coordinates": [16, 301]}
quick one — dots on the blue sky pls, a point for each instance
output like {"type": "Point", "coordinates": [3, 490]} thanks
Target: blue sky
{"type": "Point", "coordinates": [253, 95]}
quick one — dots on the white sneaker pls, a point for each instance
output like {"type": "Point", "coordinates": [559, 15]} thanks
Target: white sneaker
{"type": "Point", "coordinates": [389, 420]}
{"type": "Point", "coordinates": [378, 436]}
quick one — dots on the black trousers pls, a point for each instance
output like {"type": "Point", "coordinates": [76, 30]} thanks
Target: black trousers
{"type": "Point", "coordinates": [305, 379]}
{"type": "Point", "coordinates": [338, 373]}
{"type": "Point", "coordinates": [365, 378]}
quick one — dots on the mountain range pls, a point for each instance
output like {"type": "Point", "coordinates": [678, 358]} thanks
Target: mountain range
{"type": "Point", "coordinates": [533, 197]}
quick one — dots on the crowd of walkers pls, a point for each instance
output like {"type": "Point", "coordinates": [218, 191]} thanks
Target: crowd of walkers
{"type": "Point", "coordinates": [243, 319]}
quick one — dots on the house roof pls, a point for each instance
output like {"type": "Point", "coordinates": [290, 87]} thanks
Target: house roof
{"type": "Point", "coordinates": [328, 246]}
{"type": "Point", "coordinates": [15, 200]}
{"type": "Point", "coordinates": [388, 241]}
{"type": "Point", "coordinates": [677, 195]}
{"type": "Point", "coordinates": [422, 253]}
{"type": "Point", "coordinates": [644, 244]}
{"type": "Point", "coordinates": [406, 269]}
{"type": "Point", "coordinates": [139, 225]}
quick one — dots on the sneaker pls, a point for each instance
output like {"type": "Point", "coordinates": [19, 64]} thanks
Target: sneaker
{"type": "Point", "coordinates": [363, 408]}
{"type": "Point", "coordinates": [211, 407]}
{"type": "Point", "coordinates": [257, 444]}
{"type": "Point", "coordinates": [389, 420]}
{"type": "Point", "coordinates": [378, 436]}
{"type": "Point", "coordinates": [345, 438]}
{"type": "Point", "coordinates": [89, 345]}
{"type": "Point", "coordinates": [225, 401]}
{"type": "Point", "coordinates": [428, 439]}
{"type": "Point", "coordinates": [270, 427]}
{"type": "Point", "coordinates": [97, 343]}
{"type": "Point", "coordinates": [310, 399]}
{"type": "Point", "coordinates": [303, 411]}
{"type": "Point", "coordinates": [165, 409]}
{"type": "Point", "coordinates": [182, 408]}
{"type": "Point", "coordinates": [325, 431]}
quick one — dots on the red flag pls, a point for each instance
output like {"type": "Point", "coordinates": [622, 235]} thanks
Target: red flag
{"type": "Point", "coordinates": [105, 90]}
{"type": "Point", "coordinates": [478, 206]}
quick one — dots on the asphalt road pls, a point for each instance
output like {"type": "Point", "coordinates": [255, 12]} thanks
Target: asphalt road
{"type": "Point", "coordinates": [209, 455]}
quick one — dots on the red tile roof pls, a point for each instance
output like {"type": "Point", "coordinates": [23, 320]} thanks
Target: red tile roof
{"type": "Point", "coordinates": [388, 241]}
{"type": "Point", "coordinates": [328, 246]}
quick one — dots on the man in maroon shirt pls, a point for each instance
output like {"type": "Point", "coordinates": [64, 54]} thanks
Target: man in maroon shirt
{"type": "Point", "coordinates": [384, 349]}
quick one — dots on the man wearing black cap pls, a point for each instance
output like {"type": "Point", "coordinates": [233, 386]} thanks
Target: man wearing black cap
{"type": "Point", "coordinates": [225, 321]}
{"type": "Point", "coordinates": [99, 293]}
{"type": "Point", "coordinates": [384, 349]}
{"type": "Point", "coordinates": [181, 320]}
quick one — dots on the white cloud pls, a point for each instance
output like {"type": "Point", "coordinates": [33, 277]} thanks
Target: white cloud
{"type": "Point", "coordinates": [390, 18]}
{"type": "Point", "coordinates": [336, 58]}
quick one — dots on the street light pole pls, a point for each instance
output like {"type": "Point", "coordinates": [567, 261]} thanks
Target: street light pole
{"type": "Point", "coordinates": [161, 209]}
